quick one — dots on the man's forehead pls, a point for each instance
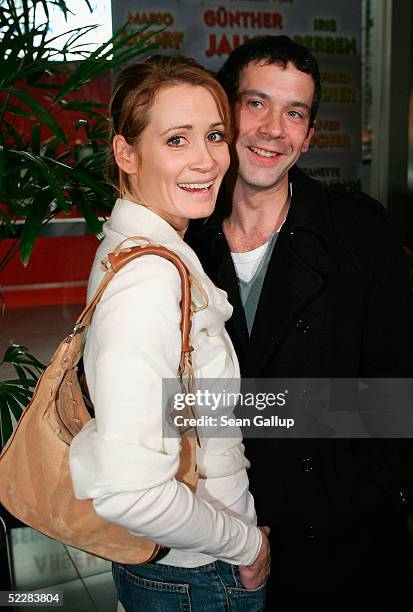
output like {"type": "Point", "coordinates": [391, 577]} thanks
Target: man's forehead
{"type": "Point", "coordinates": [257, 75]}
{"type": "Point", "coordinates": [254, 67]}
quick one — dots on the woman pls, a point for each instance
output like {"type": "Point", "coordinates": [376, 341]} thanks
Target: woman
{"type": "Point", "coordinates": [170, 152]}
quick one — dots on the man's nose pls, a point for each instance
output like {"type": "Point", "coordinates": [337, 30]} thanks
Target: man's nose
{"type": "Point", "coordinates": [272, 125]}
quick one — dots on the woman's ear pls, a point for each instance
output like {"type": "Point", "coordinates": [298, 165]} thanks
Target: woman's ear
{"type": "Point", "coordinates": [125, 155]}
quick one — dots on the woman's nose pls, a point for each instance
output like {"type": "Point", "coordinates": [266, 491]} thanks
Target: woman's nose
{"type": "Point", "coordinates": [203, 160]}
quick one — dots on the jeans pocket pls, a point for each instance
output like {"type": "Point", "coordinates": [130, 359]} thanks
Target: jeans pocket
{"type": "Point", "coordinates": [239, 586]}
{"type": "Point", "coordinates": [246, 600]}
{"type": "Point", "coordinates": [140, 590]}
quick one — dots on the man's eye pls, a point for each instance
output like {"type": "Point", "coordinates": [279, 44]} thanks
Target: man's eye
{"type": "Point", "coordinates": [254, 104]}
{"type": "Point", "coordinates": [176, 141]}
{"type": "Point", "coordinates": [215, 136]}
{"type": "Point", "coordinates": [295, 114]}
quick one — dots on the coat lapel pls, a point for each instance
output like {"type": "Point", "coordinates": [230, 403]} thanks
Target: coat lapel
{"type": "Point", "coordinates": [209, 243]}
{"type": "Point", "coordinates": [290, 283]}
{"type": "Point", "coordinates": [296, 271]}
{"type": "Point", "coordinates": [237, 324]}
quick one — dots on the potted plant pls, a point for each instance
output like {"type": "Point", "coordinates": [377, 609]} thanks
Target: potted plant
{"type": "Point", "coordinates": [49, 173]}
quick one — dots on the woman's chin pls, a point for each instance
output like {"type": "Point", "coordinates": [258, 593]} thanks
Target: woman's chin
{"type": "Point", "coordinates": [200, 211]}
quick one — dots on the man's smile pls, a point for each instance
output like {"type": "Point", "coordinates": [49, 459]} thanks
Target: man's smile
{"type": "Point", "coordinates": [263, 152]}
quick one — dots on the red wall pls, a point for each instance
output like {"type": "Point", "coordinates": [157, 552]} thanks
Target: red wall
{"type": "Point", "coordinates": [56, 274]}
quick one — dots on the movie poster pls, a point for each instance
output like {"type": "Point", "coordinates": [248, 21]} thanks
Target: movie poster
{"type": "Point", "coordinates": [208, 30]}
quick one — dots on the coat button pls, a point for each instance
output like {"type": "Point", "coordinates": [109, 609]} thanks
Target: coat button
{"type": "Point", "coordinates": [310, 533]}
{"type": "Point", "coordinates": [404, 496]}
{"type": "Point", "coordinates": [307, 464]}
{"type": "Point", "coordinates": [302, 326]}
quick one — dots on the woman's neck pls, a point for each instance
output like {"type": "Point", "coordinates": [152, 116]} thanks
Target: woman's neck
{"type": "Point", "coordinates": [179, 225]}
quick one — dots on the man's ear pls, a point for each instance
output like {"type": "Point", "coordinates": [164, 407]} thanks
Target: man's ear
{"type": "Point", "coordinates": [307, 141]}
{"type": "Point", "coordinates": [125, 155]}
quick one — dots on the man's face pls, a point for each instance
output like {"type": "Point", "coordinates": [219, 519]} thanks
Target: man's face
{"type": "Point", "coordinates": [272, 120]}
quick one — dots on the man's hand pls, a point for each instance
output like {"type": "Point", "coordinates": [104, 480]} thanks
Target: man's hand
{"type": "Point", "coordinates": [253, 576]}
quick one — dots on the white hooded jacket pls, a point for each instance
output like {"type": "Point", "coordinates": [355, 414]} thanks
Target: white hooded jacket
{"type": "Point", "coordinates": [120, 458]}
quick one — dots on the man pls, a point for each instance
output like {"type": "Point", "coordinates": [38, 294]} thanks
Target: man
{"type": "Point", "coordinates": [319, 289]}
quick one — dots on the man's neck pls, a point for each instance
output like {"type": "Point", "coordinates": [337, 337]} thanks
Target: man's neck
{"type": "Point", "coordinates": [256, 214]}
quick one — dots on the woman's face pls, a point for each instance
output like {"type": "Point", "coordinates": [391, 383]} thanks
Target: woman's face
{"type": "Point", "coordinates": [181, 156]}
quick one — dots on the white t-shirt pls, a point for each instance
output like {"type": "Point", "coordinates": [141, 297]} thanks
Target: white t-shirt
{"type": "Point", "coordinates": [246, 264]}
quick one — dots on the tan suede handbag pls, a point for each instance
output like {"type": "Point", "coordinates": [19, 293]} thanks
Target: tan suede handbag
{"type": "Point", "coordinates": [35, 480]}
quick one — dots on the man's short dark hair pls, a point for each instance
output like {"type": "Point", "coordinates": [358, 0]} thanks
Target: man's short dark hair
{"type": "Point", "coordinates": [278, 50]}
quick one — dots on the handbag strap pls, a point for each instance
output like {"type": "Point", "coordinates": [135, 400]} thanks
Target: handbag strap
{"type": "Point", "coordinates": [115, 262]}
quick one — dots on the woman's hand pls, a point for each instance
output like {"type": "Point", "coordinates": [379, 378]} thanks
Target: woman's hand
{"type": "Point", "coordinates": [254, 575]}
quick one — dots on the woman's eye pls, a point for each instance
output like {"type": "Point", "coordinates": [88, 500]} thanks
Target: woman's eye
{"type": "Point", "coordinates": [176, 141]}
{"type": "Point", "coordinates": [215, 136]}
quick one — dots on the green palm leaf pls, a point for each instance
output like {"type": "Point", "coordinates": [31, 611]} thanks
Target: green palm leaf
{"type": "Point", "coordinates": [40, 164]}
{"type": "Point", "coordinates": [38, 109]}
{"type": "Point", "coordinates": [18, 356]}
{"type": "Point", "coordinates": [6, 426]}
{"type": "Point", "coordinates": [109, 55]}
{"type": "Point", "coordinates": [94, 223]}
{"type": "Point", "coordinates": [34, 221]}
{"type": "Point", "coordinates": [16, 394]}
{"type": "Point", "coordinates": [41, 175]}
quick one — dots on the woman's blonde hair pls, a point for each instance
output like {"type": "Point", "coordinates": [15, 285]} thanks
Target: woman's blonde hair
{"type": "Point", "coordinates": [134, 94]}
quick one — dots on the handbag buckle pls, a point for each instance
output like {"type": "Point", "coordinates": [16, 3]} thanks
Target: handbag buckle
{"type": "Point", "coordinates": [76, 330]}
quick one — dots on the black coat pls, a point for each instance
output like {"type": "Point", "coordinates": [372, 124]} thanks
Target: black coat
{"type": "Point", "coordinates": [335, 303]}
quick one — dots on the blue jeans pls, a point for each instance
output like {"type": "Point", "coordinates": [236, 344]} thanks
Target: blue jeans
{"type": "Point", "coordinates": [215, 587]}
